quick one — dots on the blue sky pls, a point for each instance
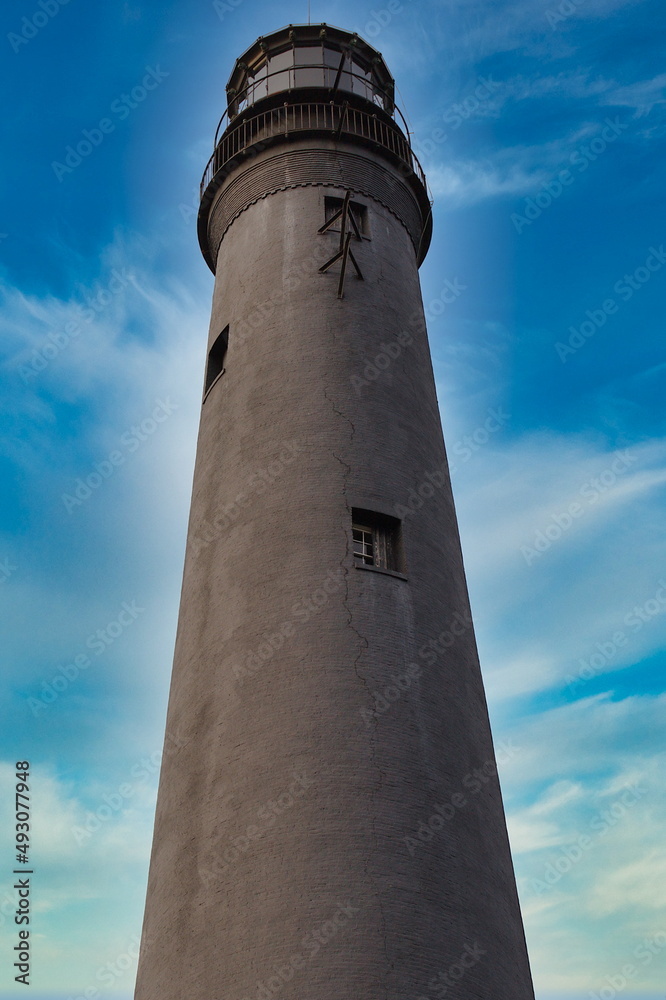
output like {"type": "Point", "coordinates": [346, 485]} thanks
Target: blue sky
{"type": "Point", "coordinates": [541, 126]}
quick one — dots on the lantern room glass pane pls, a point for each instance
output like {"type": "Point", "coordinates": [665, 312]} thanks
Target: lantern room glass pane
{"type": "Point", "coordinates": [361, 70]}
{"type": "Point", "coordinates": [280, 81]}
{"type": "Point", "coordinates": [280, 73]}
{"type": "Point", "coordinates": [309, 76]}
{"type": "Point", "coordinates": [308, 55]}
{"type": "Point", "coordinates": [280, 60]}
{"type": "Point", "coordinates": [361, 83]}
{"type": "Point", "coordinates": [257, 84]}
{"type": "Point", "coordinates": [332, 57]}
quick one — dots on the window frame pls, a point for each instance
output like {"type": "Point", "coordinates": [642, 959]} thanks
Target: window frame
{"type": "Point", "coordinates": [216, 357]}
{"type": "Point", "coordinates": [387, 553]}
{"type": "Point", "coordinates": [333, 203]}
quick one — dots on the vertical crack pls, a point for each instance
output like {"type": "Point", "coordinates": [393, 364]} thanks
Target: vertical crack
{"type": "Point", "coordinates": [363, 646]}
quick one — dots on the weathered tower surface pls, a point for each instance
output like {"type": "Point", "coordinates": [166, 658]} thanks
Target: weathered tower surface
{"type": "Point", "coordinates": [329, 821]}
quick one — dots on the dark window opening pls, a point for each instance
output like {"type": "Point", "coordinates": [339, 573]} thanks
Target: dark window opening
{"type": "Point", "coordinates": [216, 358]}
{"type": "Point", "coordinates": [377, 540]}
{"type": "Point", "coordinates": [359, 214]}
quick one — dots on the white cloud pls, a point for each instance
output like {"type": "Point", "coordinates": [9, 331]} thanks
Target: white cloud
{"type": "Point", "coordinates": [497, 171]}
{"type": "Point", "coordinates": [558, 584]}
{"type": "Point", "coordinates": [74, 876]}
{"type": "Point", "coordinates": [464, 183]}
{"type": "Point", "coordinates": [595, 768]}
{"type": "Point", "coordinates": [507, 171]}
{"type": "Point", "coordinates": [642, 96]}
{"type": "Point", "coordinates": [146, 343]}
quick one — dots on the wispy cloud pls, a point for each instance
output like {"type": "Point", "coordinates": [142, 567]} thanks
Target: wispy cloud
{"type": "Point", "coordinates": [76, 873]}
{"type": "Point", "coordinates": [591, 849]}
{"type": "Point", "coordinates": [641, 96]}
{"type": "Point", "coordinates": [517, 559]}
{"type": "Point", "coordinates": [570, 635]}
{"type": "Point", "coordinates": [464, 183]}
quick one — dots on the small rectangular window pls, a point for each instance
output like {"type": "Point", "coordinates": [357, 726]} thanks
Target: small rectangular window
{"type": "Point", "coordinates": [358, 211]}
{"type": "Point", "coordinates": [377, 540]}
{"type": "Point", "coordinates": [216, 359]}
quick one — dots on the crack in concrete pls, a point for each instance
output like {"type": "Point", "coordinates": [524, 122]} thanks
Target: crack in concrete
{"type": "Point", "coordinates": [364, 645]}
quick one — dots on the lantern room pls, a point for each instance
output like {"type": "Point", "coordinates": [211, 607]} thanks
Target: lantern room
{"type": "Point", "coordinates": [314, 57]}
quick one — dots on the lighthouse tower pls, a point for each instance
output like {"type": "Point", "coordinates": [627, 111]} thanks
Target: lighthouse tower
{"type": "Point", "coordinates": [329, 821]}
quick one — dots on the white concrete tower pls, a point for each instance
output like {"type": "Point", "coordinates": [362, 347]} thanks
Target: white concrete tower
{"type": "Point", "coordinates": [329, 822]}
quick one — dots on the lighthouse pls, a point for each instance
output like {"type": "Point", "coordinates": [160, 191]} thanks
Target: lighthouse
{"type": "Point", "coordinates": [329, 821]}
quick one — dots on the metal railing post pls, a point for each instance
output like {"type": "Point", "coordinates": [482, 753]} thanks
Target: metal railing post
{"type": "Point", "coordinates": [354, 121]}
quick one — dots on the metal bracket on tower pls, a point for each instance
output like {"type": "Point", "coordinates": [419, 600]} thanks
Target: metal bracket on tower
{"type": "Point", "coordinates": [348, 229]}
{"type": "Point", "coordinates": [343, 116]}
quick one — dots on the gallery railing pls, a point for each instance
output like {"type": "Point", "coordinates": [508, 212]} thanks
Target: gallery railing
{"type": "Point", "coordinates": [338, 119]}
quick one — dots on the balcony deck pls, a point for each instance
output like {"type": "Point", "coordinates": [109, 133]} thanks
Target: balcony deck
{"type": "Point", "coordinates": [329, 118]}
